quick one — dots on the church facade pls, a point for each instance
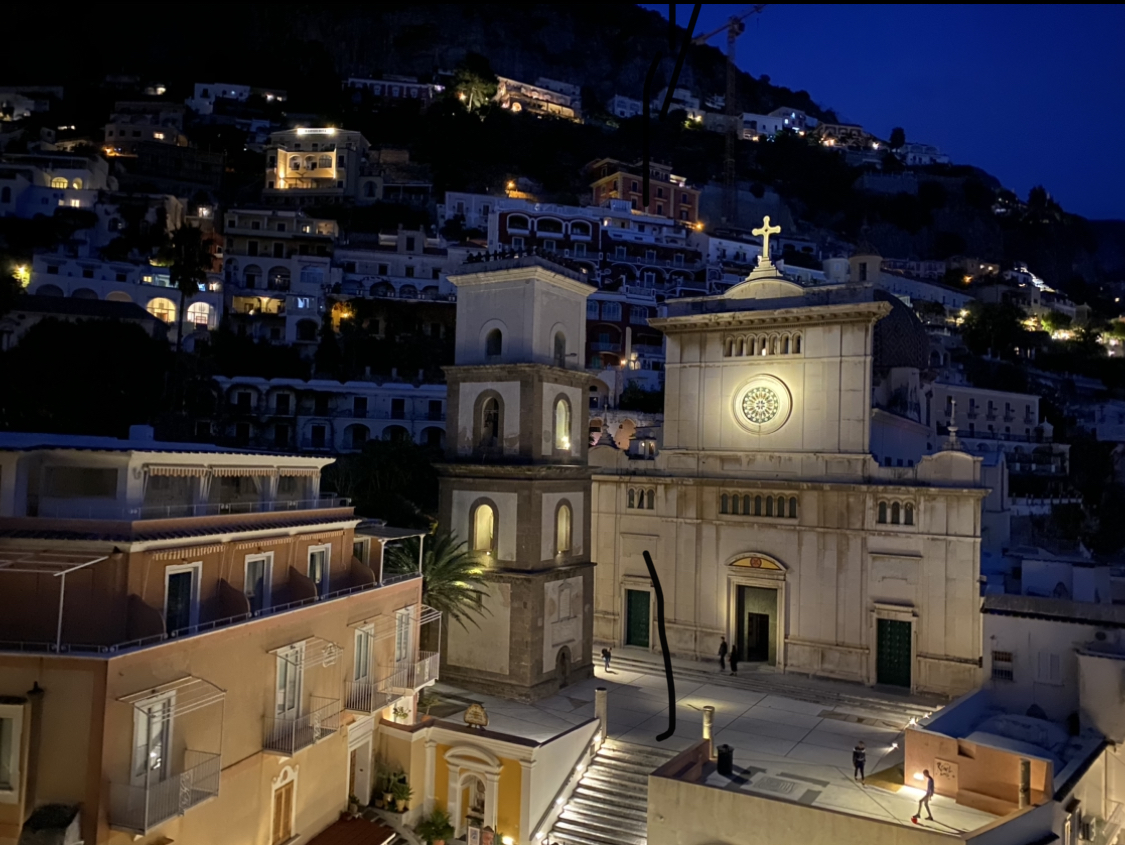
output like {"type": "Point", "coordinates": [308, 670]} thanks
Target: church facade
{"type": "Point", "coordinates": [768, 518]}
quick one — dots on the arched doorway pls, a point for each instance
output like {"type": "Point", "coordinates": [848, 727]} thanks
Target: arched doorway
{"type": "Point", "coordinates": [757, 608]}
{"type": "Point", "coordinates": [472, 801]}
{"type": "Point", "coordinates": [562, 667]}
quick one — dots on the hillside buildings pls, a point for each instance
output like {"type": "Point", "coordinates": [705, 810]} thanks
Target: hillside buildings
{"type": "Point", "coordinates": [669, 196]}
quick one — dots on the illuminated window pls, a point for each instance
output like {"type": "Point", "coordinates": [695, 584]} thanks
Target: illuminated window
{"type": "Point", "coordinates": [59, 182]}
{"type": "Point", "coordinates": [162, 309]}
{"type": "Point", "coordinates": [484, 529]}
{"type": "Point", "coordinates": [562, 528]}
{"type": "Point", "coordinates": [199, 314]}
{"type": "Point", "coordinates": [562, 424]}
{"type": "Point", "coordinates": [159, 136]}
{"type": "Point", "coordinates": [294, 162]}
{"type": "Point", "coordinates": [77, 184]}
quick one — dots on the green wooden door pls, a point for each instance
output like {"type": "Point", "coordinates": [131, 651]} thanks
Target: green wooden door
{"type": "Point", "coordinates": [892, 662]}
{"type": "Point", "coordinates": [636, 617]}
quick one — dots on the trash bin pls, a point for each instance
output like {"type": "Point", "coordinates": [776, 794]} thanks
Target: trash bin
{"type": "Point", "coordinates": [726, 760]}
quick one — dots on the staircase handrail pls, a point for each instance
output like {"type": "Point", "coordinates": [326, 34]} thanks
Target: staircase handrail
{"type": "Point", "coordinates": [559, 799]}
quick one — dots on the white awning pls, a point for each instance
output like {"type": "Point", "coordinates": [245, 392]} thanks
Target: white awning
{"type": "Point", "coordinates": [383, 625]}
{"type": "Point", "coordinates": [179, 471]}
{"type": "Point", "coordinates": [310, 653]}
{"type": "Point", "coordinates": [42, 562]}
{"type": "Point", "coordinates": [304, 471]}
{"type": "Point", "coordinates": [242, 472]}
{"type": "Point", "coordinates": [186, 694]}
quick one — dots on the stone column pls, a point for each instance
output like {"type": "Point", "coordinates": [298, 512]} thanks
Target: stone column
{"type": "Point", "coordinates": [708, 723]}
{"type": "Point", "coordinates": [491, 798]}
{"type": "Point", "coordinates": [431, 772]}
{"type": "Point", "coordinates": [601, 710]}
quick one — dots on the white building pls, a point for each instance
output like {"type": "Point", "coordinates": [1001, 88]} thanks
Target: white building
{"type": "Point", "coordinates": [327, 416]}
{"type": "Point", "coordinates": [682, 98]}
{"type": "Point", "coordinates": [402, 265]}
{"type": "Point", "coordinates": [41, 182]}
{"type": "Point", "coordinates": [920, 155]}
{"type": "Point", "coordinates": [474, 208]}
{"type": "Point", "coordinates": [144, 284]}
{"type": "Point", "coordinates": [768, 518]}
{"type": "Point", "coordinates": [626, 107]}
{"type": "Point", "coordinates": [316, 164]}
{"type": "Point", "coordinates": [206, 94]}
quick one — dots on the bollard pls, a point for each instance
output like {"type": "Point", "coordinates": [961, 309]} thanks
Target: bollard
{"type": "Point", "coordinates": [601, 711]}
{"type": "Point", "coordinates": [708, 724]}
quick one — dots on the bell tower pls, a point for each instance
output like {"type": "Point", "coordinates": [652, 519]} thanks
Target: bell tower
{"type": "Point", "coordinates": [516, 485]}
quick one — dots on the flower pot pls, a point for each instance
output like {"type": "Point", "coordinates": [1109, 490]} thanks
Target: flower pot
{"type": "Point", "coordinates": [401, 806]}
{"type": "Point", "coordinates": [380, 803]}
{"type": "Point", "coordinates": [388, 799]}
{"type": "Point", "coordinates": [353, 808]}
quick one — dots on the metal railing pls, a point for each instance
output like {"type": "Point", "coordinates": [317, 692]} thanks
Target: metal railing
{"type": "Point", "coordinates": [367, 696]}
{"type": "Point", "coordinates": [64, 509]}
{"type": "Point", "coordinates": [412, 676]}
{"type": "Point", "coordinates": [140, 808]}
{"type": "Point", "coordinates": [288, 735]}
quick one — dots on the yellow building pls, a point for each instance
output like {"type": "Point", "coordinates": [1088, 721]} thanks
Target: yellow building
{"type": "Point", "coordinates": [195, 645]}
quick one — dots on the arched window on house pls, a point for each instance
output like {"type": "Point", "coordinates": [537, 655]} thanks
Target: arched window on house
{"type": "Point", "coordinates": [781, 506]}
{"type": "Point", "coordinates": [631, 499]}
{"type": "Point", "coordinates": [162, 309]}
{"type": "Point", "coordinates": [724, 503]}
{"type": "Point", "coordinates": [908, 514]}
{"type": "Point", "coordinates": [494, 343]}
{"type": "Point", "coordinates": [560, 349]}
{"type": "Point", "coordinates": [562, 424]}
{"type": "Point", "coordinates": [769, 505]}
{"type": "Point", "coordinates": [745, 505]}
{"type": "Point", "coordinates": [882, 520]}
{"type": "Point", "coordinates": [895, 513]}
{"type": "Point", "coordinates": [484, 529]}
{"type": "Point", "coordinates": [757, 506]}
{"type": "Point", "coordinates": [797, 344]}
{"type": "Point", "coordinates": [563, 528]}
{"type": "Point", "coordinates": [728, 349]}
{"type": "Point", "coordinates": [792, 507]}
{"type": "Point", "coordinates": [59, 182]}
{"type": "Point", "coordinates": [651, 500]}
{"type": "Point", "coordinates": [785, 345]}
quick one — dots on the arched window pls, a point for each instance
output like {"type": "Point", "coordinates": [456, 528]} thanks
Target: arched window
{"type": "Point", "coordinates": [908, 515]}
{"type": "Point", "coordinates": [579, 229]}
{"type": "Point", "coordinates": [894, 513]}
{"type": "Point", "coordinates": [326, 161]}
{"type": "Point", "coordinates": [785, 345]}
{"type": "Point", "coordinates": [728, 351]}
{"type": "Point", "coordinates": [493, 343]}
{"type": "Point", "coordinates": [774, 348]}
{"type": "Point", "coordinates": [792, 507]}
{"type": "Point", "coordinates": [757, 506]}
{"type": "Point", "coordinates": [77, 184]}
{"type": "Point", "coordinates": [651, 501]}
{"type": "Point", "coordinates": [740, 347]}
{"type": "Point", "coordinates": [796, 344]}
{"type": "Point", "coordinates": [746, 505]}
{"type": "Point", "coordinates": [882, 513]}
{"type": "Point", "coordinates": [162, 309]}
{"type": "Point", "coordinates": [781, 506]}
{"type": "Point", "coordinates": [724, 503]}
{"type": "Point", "coordinates": [751, 346]}
{"type": "Point", "coordinates": [199, 314]}
{"type": "Point", "coordinates": [769, 505]}
{"type": "Point", "coordinates": [484, 529]}
{"type": "Point", "coordinates": [59, 182]}
{"type": "Point", "coordinates": [562, 528]}
{"type": "Point", "coordinates": [294, 162]}
{"type": "Point", "coordinates": [560, 349]}
{"type": "Point", "coordinates": [562, 424]}
{"type": "Point", "coordinates": [490, 422]}
{"type": "Point", "coordinates": [632, 498]}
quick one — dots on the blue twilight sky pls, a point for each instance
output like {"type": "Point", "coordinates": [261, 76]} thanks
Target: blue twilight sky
{"type": "Point", "coordinates": [1031, 94]}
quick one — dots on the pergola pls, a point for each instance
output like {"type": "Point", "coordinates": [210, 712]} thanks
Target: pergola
{"type": "Point", "coordinates": [48, 562]}
{"type": "Point", "coordinates": [388, 535]}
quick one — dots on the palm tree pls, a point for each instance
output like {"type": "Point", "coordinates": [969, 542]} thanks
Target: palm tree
{"type": "Point", "coordinates": [452, 577]}
{"type": "Point", "coordinates": [191, 261]}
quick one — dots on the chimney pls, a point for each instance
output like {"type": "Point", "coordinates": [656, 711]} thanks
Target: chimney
{"type": "Point", "coordinates": [142, 432]}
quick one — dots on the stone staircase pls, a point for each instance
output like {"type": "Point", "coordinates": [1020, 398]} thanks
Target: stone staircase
{"type": "Point", "coordinates": [610, 804]}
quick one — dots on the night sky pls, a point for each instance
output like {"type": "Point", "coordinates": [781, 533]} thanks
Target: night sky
{"type": "Point", "coordinates": [1031, 94]}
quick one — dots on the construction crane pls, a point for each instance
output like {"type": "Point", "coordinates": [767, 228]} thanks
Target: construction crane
{"type": "Point", "coordinates": [733, 28]}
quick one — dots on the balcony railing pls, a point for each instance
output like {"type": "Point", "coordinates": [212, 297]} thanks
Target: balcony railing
{"type": "Point", "coordinates": [367, 696]}
{"type": "Point", "coordinates": [412, 676]}
{"type": "Point", "coordinates": [604, 346]}
{"type": "Point", "coordinates": [66, 510]}
{"type": "Point", "coordinates": [287, 736]}
{"type": "Point", "coordinates": [139, 809]}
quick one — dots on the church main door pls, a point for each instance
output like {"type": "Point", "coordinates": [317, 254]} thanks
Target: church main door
{"type": "Point", "coordinates": [892, 652]}
{"type": "Point", "coordinates": [756, 628]}
{"type": "Point", "coordinates": [637, 617]}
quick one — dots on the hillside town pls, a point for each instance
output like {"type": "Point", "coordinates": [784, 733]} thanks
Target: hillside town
{"type": "Point", "coordinates": [350, 493]}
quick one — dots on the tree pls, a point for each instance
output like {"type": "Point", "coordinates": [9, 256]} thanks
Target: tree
{"type": "Point", "coordinates": [452, 577]}
{"type": "Point", "coordinates": [636, 398]}
{"type": "Point", "coordinates": [898, 138]}
{"type": "Point", "coordinates": [1054, 321]}
{"type": "Point", "coordinates": [390, 480]}
{"type": "Point", "coordinates": [474, 83]}
{"type": "Point", "coordinates": [191, 261]}
{"type": "Point", "coordinates": [993, 328]}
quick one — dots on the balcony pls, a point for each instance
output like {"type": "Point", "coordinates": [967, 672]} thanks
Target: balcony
{"type": "Point", "coordinates": [140, 809]}
{"type": "Point", "coordinates": [287, 736]}
{"type": "Point", "coordinates": [369, 696]}
{"type": "Point", "coordinates": [604, 346]}
{"type": "Point", "coordinates": [66, 509]}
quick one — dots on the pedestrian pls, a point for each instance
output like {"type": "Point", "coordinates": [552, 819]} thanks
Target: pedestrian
{"type": "Point", "coordinates": [859, 760]}
{"type": "Point", "coordinates": [734, 660]}
{"type": "Point", "coordinates": [924, 801]}
{"type": "Point", "coordinates": [606, 654]}
{"type": "Point", "coordinates": [722, 654]}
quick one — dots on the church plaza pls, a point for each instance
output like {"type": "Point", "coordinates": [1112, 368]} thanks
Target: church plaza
{"type": "Point", "coordinates": [796, 746]}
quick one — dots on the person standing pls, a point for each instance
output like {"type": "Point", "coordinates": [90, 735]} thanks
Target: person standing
{"type": "Point", "coordinates": [606, 655]}
{"type": "Point", "coordinates": [734, 659]}
{"type": "Point", "coordinates": [722, 654]}
{"type": "Point", "coordinates": [859, 760]}
{"type": "Point", "coordinates": [924, 801]}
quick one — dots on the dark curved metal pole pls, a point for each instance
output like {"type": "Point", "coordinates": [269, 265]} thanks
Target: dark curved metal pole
{"type": "Point", "coordinates": [664, 647]}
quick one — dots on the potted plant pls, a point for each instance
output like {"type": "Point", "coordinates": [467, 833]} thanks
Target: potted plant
{"type": "Point", "coordinates": [400, 713]}
{"type": "Point", "coordinates": [435, 828]}
{"type": "Point", "coordinates": [402, 793]}
{"type": "Point", "coordinates": [353, 806]}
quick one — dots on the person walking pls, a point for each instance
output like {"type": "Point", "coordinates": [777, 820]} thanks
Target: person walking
{"type": "Point", "coordinates": [722, 654]}
{"type": "Point", "coordinates": [734, 660]}
{"type": "Point", "coordinates": [859, 760]}
{"type": "Point", "coordinates": [924, 801]}
{"type": "Point", "coordinates": [606, 655]}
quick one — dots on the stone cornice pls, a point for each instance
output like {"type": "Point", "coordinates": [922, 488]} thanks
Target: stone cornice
{"type": "Point", "coordinates": [518, 372]}
{"type": "Point", "coordinates": [560, 277]}
{"type": "Point", "coordinates": [783, 484]}
{"type": "Point", "coordinates": [868, 312]}
{"type": "Point", "coordinates": [515, 471]}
